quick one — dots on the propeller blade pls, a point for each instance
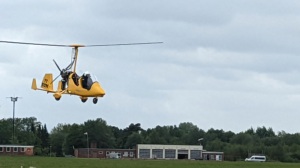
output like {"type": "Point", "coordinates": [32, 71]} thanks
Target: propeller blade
{"type": "Point", "coordinates": [55, 79]}
{"type": "Point", "coordinates": [70, 65]}
{"type": "Point", "coordinates": [57, 65]}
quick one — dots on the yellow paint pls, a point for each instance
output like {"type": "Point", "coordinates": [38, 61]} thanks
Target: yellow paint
{"type": "Point", "coordinates": [33, 85]}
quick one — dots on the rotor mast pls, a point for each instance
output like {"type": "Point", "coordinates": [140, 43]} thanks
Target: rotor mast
{"type": "Point", "coordinates": [75, 58]}
{"type": "Point", "coordinates": [76, 46]}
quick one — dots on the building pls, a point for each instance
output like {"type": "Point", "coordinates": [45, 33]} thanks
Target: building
{"type": "Point", "coordinates": [19, 150]}
{"type": "Point", "coordinates": [152, 151]}
{"type": "Point", "coordinates": [210, 155]}
{"type": "Point", "coordinates": [104, 153]}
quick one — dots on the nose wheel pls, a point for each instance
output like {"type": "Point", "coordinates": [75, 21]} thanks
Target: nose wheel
{"type": "Point", "coordinates": [95, 100]}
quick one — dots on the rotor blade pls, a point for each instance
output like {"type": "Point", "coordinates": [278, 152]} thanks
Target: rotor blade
{"type": "Point", "coordinates": [56, 65]}
{"type": "Point", "coordinates": [41, 44]}
{"type": "Point", "coordinates": [103, 45]}
{"type": "Point", "coordinates": [77, 45]}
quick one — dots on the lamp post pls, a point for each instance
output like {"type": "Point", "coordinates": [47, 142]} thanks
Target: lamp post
{"type": "Point", "coordinates": [199, 140]}
{"type": "Point", "coordinates": [13, 99]}
{"type": "Point", "coordinates": [87, 143]}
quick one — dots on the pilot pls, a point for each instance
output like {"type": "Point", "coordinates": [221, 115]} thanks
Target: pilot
{"type": "Point", "coordinates": [85, 77]}
{"type": "Point", "coordinates": [75, 78]}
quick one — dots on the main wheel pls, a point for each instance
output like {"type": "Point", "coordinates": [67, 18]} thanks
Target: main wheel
{"type": "Point", "coordinates": [83, 100]}
{"type": "Point", "coordinates": [57, 99]}
{"type": "Point", "coordinates": [95, 100]}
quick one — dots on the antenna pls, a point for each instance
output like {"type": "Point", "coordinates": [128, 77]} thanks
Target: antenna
{"type": "Point", "coordinates": [13, 99]}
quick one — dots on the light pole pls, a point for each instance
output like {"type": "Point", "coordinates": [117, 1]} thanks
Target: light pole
{"type": "Point", "coordinates": [199, 140]}
{"type": "Point", "coordinates": [13, 99]}
{"type": "Point", "coordinates": [87, 143]}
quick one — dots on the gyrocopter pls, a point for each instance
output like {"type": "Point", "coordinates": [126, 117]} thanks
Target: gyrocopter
{"type": "Point", "coordinates": [83, 86]}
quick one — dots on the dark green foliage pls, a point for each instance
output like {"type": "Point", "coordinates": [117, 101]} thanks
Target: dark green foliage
{"type": "Point", "coordinates": [64, 138]}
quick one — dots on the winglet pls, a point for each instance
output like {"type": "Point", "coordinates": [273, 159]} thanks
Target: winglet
{"type": "Point", "coordinates": [59, 87]}
{"type": "Point", "coordinates": [33, 85]}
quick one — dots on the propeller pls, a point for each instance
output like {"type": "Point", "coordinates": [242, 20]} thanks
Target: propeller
{"type": "Point", "coordinates": [63, 72]}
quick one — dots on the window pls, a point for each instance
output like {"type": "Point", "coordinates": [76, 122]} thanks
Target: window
{"type": "Point", "coordinates": [144, 153]}
{"type": "Point", "coordinates": [170, 153]}
{"type": "Point", "coordinates": [1, 149]}
{"type": "Point", "coordinates": [107, 152]}
{"type": "Point", "coordinates": [16, 149]}
{"type": "Point", "coordinates": [195, 154]}
{"type": "Point", "coordinates": [7, 149]}
{"type": "Point", "coordinates": [131, 154]}
{"type": "Point", "coordinates": [101, 152]}
{"type": "Point", "coordinates": [157, 153]}
{"type": "Point", "coordinates": [22, 149]}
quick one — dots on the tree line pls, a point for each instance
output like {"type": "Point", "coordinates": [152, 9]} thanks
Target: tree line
{"type": "Point", "coordinates": [64, 138]}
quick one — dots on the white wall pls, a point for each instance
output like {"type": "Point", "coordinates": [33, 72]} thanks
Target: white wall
{"type": "Point", "coordinates": [163, 147]}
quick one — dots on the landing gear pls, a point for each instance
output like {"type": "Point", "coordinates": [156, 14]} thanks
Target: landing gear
{"type": "Point", "coordinates": [83, 100]}
{"type": "Point", "coordinates": [57, 99]}
{"type": "Point", "coordinates": [95, 100]}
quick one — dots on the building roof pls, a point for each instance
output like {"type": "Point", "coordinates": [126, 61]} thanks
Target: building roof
{"type": "Point", "coordinates": [20, 146]}
{"type": "Point", "coordinates": [212, 152]}
{"type": "Point", "coordinates": [164, 146]}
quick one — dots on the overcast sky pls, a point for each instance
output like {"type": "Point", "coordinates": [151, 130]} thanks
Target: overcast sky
{"type": "Point", "coordinates": [228, 65]}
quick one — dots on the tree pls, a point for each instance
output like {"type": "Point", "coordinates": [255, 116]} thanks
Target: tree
{"type": "Point", "coordinates": [5, 131]}
{"type": "Point", "coordinates": [99, 133]}
{"type": "Point", "coordinates": [124, 134]}
{"type": "Point", "coordinates": [132, 140]}
{"type": "Point", "coordinates": [190, 133]}
{"type": "Point", "coordinates": [74, 138]}
{"type": "Point", "coordinates": [263, 132]}
{"type": "Point", "coordinates": [44, 137]}
{"type": "Point", "coordinates": [57, 138]}
{"type": "Point", "coordinates": [155, 136]}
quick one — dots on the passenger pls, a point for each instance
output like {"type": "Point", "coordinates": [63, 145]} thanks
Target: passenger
{"type": "Point", "coordinates": [87, 81]}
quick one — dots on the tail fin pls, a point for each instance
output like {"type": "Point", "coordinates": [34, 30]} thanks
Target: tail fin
{"type": "Point", "coordinates": [59, 87]}
{"type": "Point", "coordinates": [47, 83]}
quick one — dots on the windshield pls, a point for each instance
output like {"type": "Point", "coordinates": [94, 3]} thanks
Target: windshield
{"type": "Point", "coordinates": [94, 78]}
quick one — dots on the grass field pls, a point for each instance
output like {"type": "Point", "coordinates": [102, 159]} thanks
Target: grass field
{"type": "Point", "coordinates": [52, 162]}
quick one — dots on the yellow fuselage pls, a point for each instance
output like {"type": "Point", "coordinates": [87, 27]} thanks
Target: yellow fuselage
{"type": "Point", "coordinates": [95, 91]}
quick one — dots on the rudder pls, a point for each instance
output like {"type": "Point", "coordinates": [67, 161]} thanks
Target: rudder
{"type": "Point", "coordinates": [47, 83]}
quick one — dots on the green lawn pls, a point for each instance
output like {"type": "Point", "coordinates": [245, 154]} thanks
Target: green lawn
{"type": "Point", "coordinates": [47, 162]}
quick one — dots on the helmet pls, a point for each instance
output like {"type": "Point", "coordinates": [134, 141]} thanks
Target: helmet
{"type": "Point", "coordinates": [86, 73]}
